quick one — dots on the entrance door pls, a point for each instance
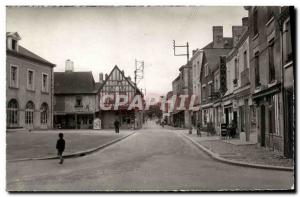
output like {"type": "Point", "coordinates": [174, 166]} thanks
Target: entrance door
{"type": "Point", "coordinates": [290, 125]}
{"type": "Point", "coordinates": [226, 116]}
{"type": "Point", "coordinates": [262, 125]}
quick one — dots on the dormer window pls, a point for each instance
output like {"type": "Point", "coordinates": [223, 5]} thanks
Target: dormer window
{"type": "Point", "coordinates": [12, 40]}
{"type": "Point", "coordinates": [13, 44]}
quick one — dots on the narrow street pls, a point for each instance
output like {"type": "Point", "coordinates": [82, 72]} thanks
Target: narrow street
{"type": "Point", "coordinates": [154, 158]}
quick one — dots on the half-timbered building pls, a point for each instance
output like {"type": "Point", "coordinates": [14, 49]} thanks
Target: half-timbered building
{"type": "Point", "coordinates": [116, 85]}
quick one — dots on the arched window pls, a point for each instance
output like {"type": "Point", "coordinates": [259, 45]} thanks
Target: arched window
{"type": "Point", "coordinates": [44, 113]}
{"type": "Point", "coordinates": [29, 112]}
{"type": "Point", "coordinates": [12, 112]}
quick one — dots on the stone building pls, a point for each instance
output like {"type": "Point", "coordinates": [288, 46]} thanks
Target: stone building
{"type": "Point", "coordinates": [271, 57]}
{"type": "Point", "coordinates": [196, 61]}
{"type": "Point", "coordinates": [237, 101]}
{"type": "Point", "coordinates": [287, 33]}
{"type": "Point", "coordinates": [182, 87]}
{"type": "Point", "coordinates": [75, 99]}
{"type": "Point", "coordinates": [29, 87]}
{"type": "Point", "coordinates": [209, 74]}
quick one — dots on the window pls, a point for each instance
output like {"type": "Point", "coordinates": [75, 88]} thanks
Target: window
{"type": "Point", "coordinates": [255, 25]}
{"type": "Point", "coordinates": [45, 83]}
{"type": "Point", "coordinates": [14, 76]}
{"type": "Point", "coordinates": [78, 101]}
{"type": "Point", "coordinates": [206, 70]}
{"type": "Point", "coordinates": [256, 68]}
{"type": "Point", "coordinates": [29, 112]}
{"type": "Point", "coordinates": [287, 42]}
{"type": "Point", "coordinates": [204, 117]}
{"type": "Point", "coordinates": [271, 113]}
{"type": "Point", "coordinates": [44, 113]}
{"type": "Point", "coordinates": [245, 60]}
{"type": "Point", "coordinates": [271, 61]}
{"type": "Point", "coordinates": [211, 89]}
{"type": "Point", "coordinates": [13, 44]}
{"type": "Point", "coordinates": [203, 93]}
{"type": "Point", "coordinates": [12, 113]}
{"type": "Point", "coordinates": [236, 70]}
{"type": "Point", "coordinates": [30, 79]}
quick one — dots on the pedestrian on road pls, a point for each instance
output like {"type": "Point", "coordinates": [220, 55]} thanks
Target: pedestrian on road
{"type": "Point", "coordinates": [60, 146]}
{"type": "Point", "coordinates": [117, 125]}
{"type": "Point", "coordinates": [198, 129]}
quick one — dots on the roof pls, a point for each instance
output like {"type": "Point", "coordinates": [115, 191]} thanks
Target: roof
{"type": "Point", "coordinates": [98, 85]}
{"type": "Point", "coordinates": [74, 83]}
{"type": "Point", "coordinates": [212, 56]}
{"type": "Point", "coordinates": [25, 53]}
{"type": "Point", "coordinates": [126, 78]}
{"type": "Point", "coordinates": [227, 40]}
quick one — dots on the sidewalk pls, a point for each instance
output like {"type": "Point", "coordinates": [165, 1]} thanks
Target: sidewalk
{"type": "Point", "coordinates": [248, 153]}
{"type": "Point", "coordinates": [37, 144]}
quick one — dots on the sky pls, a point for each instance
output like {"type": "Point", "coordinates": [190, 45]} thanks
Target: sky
{"type": "Point", "coordinates": [98, 38]}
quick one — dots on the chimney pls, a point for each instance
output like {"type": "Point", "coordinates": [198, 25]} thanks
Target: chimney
{"type": "Point", "coordinates": [237, 32]}
{"type": "Point", "coordinates": [101, 77]}
{"type": "Point", "coordinates": [69, 66]}
{"type": "Point", "coordinates": [194, 51]}
{"type": "Point", "coordinates": [106, 76]}
{"type": "Point", "coordinates": [218, 41]}
{"type": "Point", "coordinates": [245, 21]}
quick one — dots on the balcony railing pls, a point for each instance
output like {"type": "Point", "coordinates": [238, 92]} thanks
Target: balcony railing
{"type": "Point", "coordinates": [245, 77]}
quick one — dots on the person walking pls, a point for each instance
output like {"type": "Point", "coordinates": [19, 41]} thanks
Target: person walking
{"type": "Point", "coordinates": [198, 129]}
{"type": "Point", "coordinates": [60, 146]}
{"type": "Point", "coordinates": [117, 125]}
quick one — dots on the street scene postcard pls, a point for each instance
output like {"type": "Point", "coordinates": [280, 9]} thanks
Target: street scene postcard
{"type": "Point", "coordinates": [150, 98]}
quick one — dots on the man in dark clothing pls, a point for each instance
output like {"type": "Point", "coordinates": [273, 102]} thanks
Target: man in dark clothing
{"type": "Point", "coordinates": [117, 125]}
{"type": "Point", "coordinates": [60, 146]}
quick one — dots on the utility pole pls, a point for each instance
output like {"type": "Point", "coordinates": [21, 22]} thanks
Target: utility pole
{"type": "Point", "coordinates": [138, 71]}
{"type": "Point", "coordinates": [138, 76]}
{"type": "Point", "coordinates": [180, 46]}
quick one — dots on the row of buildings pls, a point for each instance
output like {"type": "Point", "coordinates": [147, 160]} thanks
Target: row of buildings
{"type": "Point", "coordinates": [247, 79]}
{"type": "Point", "coordinates": [39, 98]}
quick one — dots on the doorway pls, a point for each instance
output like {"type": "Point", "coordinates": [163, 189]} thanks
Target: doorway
{"type": "Point", "coordinates": [262, 125]}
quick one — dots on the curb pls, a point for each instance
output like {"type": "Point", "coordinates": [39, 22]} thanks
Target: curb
{"type": "Point", "coordinates": [76, 154]}
{"type": "Point", "coordinates": [244, 164]}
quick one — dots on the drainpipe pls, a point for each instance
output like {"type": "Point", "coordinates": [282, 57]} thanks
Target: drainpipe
{"type": "Point", "coordinates": [282, 93]}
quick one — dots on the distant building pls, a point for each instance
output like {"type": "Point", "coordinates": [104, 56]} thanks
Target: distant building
{"type": "Point", "coordinates": [196, 61]}
{"type": "Point", "coordinates": [29, 87]}
{"type": "Point", "coordinates": [116, 83]}
{"type": "Point", "coordinates": [177, 116]}
{"type": "Point", "coordinates": [75, 99]}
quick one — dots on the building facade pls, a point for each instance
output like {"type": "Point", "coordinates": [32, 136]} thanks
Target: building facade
{"type": "Point", "coordinates": [210, 77]}
{"type": "Point", "coordinates": [196, 62]}
{"type": "Point", "coordinates": [114, 85]}
{"type": "Point", "coordinates": [29, 87]}
{"type": "Point", "coordinates": [75, 99]}
{"type": "Point", "coordinates": [270, 50]}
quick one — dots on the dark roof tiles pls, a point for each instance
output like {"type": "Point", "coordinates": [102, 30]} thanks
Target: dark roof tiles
{"type": "Point", "coordinates": [74, 83]}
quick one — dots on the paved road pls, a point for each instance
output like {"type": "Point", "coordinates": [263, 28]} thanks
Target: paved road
{"type": "Point", "coordinates": [152, 159]}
